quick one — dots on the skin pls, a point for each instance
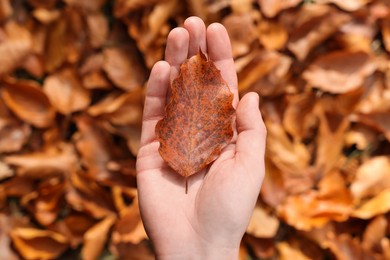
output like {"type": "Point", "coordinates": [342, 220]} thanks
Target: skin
{"type": "Point", "coordinates": [210, 220]}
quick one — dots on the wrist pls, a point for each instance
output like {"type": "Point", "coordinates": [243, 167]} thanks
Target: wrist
{"type": "Point", "coordinates": [205, 253]}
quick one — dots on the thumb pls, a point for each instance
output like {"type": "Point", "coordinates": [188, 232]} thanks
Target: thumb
{"type": "Point", "coordinates": [250, 146]}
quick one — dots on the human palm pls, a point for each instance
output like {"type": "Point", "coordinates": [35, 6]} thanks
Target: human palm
{"type": "Point", "coordinates": [210, 219]}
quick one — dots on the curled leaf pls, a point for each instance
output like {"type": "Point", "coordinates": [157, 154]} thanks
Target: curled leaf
{"type": "Point", "coordinates": [27, 100]}
{"type": "Point", "coordinates": [198, 118]}
{"type": "Point", "coordinates": [34, 243]}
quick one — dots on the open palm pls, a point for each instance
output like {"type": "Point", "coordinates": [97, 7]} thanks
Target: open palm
{"type": "Point", "coordinates": [209, 221]}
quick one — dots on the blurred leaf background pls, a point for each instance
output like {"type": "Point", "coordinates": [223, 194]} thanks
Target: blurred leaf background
{"type": "Point", "coordinates": [72, 80]}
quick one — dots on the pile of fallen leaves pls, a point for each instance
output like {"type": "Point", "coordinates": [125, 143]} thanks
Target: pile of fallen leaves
{"type": "Point", "coordinates": [73, 75]}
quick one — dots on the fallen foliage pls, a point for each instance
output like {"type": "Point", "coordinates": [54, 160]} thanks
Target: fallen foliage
{"type": "Point", "coordinates": [72, 80]}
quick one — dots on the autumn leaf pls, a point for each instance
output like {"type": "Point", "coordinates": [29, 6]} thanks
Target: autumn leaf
{"type": "Point", "coordinates": [198, 118]}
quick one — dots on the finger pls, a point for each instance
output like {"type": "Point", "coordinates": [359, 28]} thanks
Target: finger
{"type": "Point", "coordinates": [177, 49]}
{"type": "Point", "coordinates": [220, 52]}
{"type": "Point", "coordinates": [197, 35]}
{"type": "Point", "coordinates": [250, 146]}
{"type": "Point", "coordinates": [155, 99]}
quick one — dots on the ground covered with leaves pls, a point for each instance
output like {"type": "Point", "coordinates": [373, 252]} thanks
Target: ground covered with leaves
{"type": "Point", "coordinates": [73, 75]}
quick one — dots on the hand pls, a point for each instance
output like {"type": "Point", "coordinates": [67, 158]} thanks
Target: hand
{"type": "Point", "coordinates": [209, 221]}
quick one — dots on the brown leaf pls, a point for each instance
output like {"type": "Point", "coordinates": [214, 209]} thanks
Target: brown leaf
{"type": "Point", "coordinates": [366, 183]}
{"type": "Point", "coordinates": [379, 204]}
{"type": "Point", "coordinates": [386, 33]}
{"type": "Point", "coordinates": [34, 243]}
{"type": "Point", "coordinates": [314, 209]}
{"type": "Point", "coordinates": [65, 92]}
{"type": "Point", "coordinates": [27, 100]}
{"type": "Point", "coordinates": [347, 5]}
{"type": "Point", "coordinates": [16, 46]}
{"type": "Point", "coordinates": [97, 150]}
{"type": "Point", "coordinates": [344, 247]}
{"type": "Point", "coordinates": [46, 16]}
{"type": "Point", "coordinates": [299, 117]}
{"type": "Point", "coordinates": [14, 135]}
{"type": "Point", "coordinates": [374, 233]}
{"type": "Point", "coordinates": [340, 71]}
{"type": "Point", "coordinates": [56, 50]}
{"type": "Point", "coordinates": [262, 224]}
{"type": "Point", "coordinates": [313, 24]}
{"type": "Point", "coordinates": [74, 226]}
{"type": "Point", "coordinates": [87, 196]}
{"type": "Point", "coordinates": [379, 121]}
{"type": "Point", "coordinates": [286, 251]}
{"type": "Point", "coordinates": [330, 139]}
{"type": "Point", "coordinates": [86, 5]}
{"type": "Point", "coordinates": [98, 29]}
{"type": "Point", "coordinates": [53, 161]}
{"type": "Point", "coordinates": [6, 251]}
{"type": "Point", "coordinates": [273, 190]}
{"type": "Point", "coordinates": [124, 68]}
{"type": "Point", "coordinates": [242, 31]}
{"type": "Point", "coordinates": [264, 72]}
{"type": "Point", "coordinates": [45, 201]}
{"type": "Point", "coordinates": [272, 35]}
{"type": "Point", "coordinates": [197, 123]}
{"type": "Point", "coordinates": [5, 9]}
{"type": "Point", "coordinates": [125, 109]}
{"type": "Point", "coordinates": [95, 238]}
{"type": "Point", "coordinates": [261, 248]}
{"type": "Point", "coordinates": [271, 8]}
{"type": "Point", "coordinates": [123, 7]}
{"type": "Point", "coordinates": [5, 171]}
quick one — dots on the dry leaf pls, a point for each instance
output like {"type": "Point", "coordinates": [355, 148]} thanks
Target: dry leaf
{"type": "Point", "coordinates": [198, 119]}
{"type": "Point", "coordinates": [27, 100]}
{"type": "Point", "coordinates": [314, 209]}
{"type": "Point", "coordinates": [125, 109]}
{"type": "Point", "coordinates": [14, 135]}
{"type": "Point", "coordinates": [339, 72]}
{"type": "Point", "coordinates": [347, 5]}
{"type": "Point", "coordinates": [46, 16]}
{"type": "Point", "coordinates": [242, 31]}
{"type": "Point", "coordinates": [379, 204]}
{"type": "Point", "coordinates": [5, 9]}
{"type": "Point", "coordinates": [344, 247]}
{"type": "Point", "coordinates": [5, 241]}
{"type": "Point", "coordinates": [98, 29]}
{"type": "Point", "coordinates": [95, 238]}
{"type": "Point", "coordinates": [272, 35]}
{"type": "Point", "coordinates": [368, 184]}
{"type": "Point", "coordinates": [262, 224]}
{"type": "Point", "coordinates": [34, 243]}
{"type": "Point", "coordinates": [65, 92]}
{"type": "Point", "coordinates": [15, 47]}
{"type": "Point", "coordinates": [271, 8]}
{"type": "Point", "coordinates": [86, 5]}
{"type": "Point", "coordinates": [129, 227]}
{"type": "Point", "coordinates": [286, 252]}
{"type": "Point", "coordinates": [374, 233]}
{"type": "Point", "coordinates": [123, 68]}
{"type": "Point", "coordinates": [53, 161]}
{"type": "Point", "coordinates": [313, 25]}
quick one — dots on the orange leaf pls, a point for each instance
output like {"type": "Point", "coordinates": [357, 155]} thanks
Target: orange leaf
{"type": "Point", "coordinates": [34, 243]}
{"type": "Point", "coordinates": [65, 92]}
{"type": "Point", "coordinates": [95, 238]}
{"type": "Point", "coordinates": [27, 100]}
{"type": "Point", "coordinates": [378, 205]}
{"type": "Point", "coordinates": [198, 118]}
